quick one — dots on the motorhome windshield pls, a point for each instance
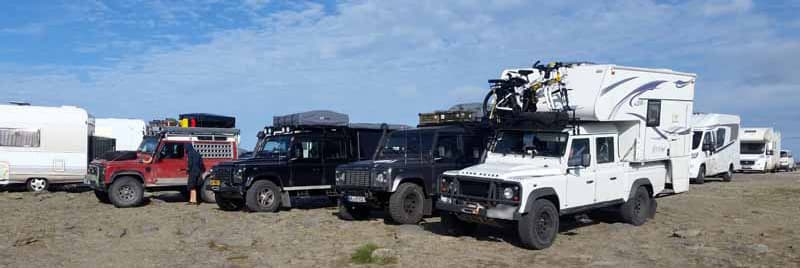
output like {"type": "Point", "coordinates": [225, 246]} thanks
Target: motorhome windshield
{"type": "Point", "coordinates": [148, 145]}
{"type": "Point", "coordinates": [696, 139]}
{"type": "Point", "coordinates": [752, 148]}
{"type": "Point", "coordinates": [409, 143]}
{"type": "Point", "coordinates": [527, 142]}
{"type": "Point", "coordinates": [784, 154]}
{"type": "Point", "coordinates": [273, 147]}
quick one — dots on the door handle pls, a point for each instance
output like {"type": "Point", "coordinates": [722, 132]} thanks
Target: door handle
{"type": "Point", "coordinates": [613, 178]}
{"type": "Point", "coordinates": [589, 182]}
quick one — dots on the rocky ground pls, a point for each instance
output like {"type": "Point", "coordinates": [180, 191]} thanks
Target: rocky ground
{"type": "Point", "coordinates": [749, 222]}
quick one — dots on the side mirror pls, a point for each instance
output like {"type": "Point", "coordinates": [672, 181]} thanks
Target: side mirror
{"type": "Point", "coordinates": [586, 160]}
{"type": "Point", "coordinates": [770, 152]}
{"type": "Point", "coordinates": [261, 135]}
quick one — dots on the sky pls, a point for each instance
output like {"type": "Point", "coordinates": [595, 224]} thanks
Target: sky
{"type": "Point", "coordinates": [382, 61]}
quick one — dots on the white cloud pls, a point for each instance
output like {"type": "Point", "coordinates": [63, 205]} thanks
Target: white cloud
{"type": "Point", "coordinates": [36, 29]}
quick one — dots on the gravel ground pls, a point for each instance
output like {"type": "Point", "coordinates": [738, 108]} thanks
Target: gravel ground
{"type": "Point", "coordinates": [745, 223]}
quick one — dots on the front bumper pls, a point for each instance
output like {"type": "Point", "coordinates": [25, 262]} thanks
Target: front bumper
{"type": "Point", "coordinates": [478, 210]}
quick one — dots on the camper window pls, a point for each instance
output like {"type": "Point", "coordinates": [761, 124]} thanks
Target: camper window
{"type": "Point", "coordinates": [15, 137]}
{"type": "Point", "coordinates": [720, 138]}
{"type": "Point", "coordinates": [653, 113]}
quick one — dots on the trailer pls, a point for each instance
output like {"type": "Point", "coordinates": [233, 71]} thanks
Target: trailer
{"type": "Point", "coordinates": [715, 146]}
{"type": "Point", "coordinates": [759, 149]}
{"type": "Point", "coordinates": [40, 146]}
{"type": "Point", "coordinates": [570, 138]}
{"type": "Point", "coordinates": [127, 133]}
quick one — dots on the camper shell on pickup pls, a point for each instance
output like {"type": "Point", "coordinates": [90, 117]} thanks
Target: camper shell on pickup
{"type": "Point", "coordinates": [402, 177]}
{"type": "Point", "coordinates": [603, 136]}
{"type": "Point", "coordinates": [295, 157]}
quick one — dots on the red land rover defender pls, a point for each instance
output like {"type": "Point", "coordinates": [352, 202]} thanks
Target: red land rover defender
{"type": "Point", "coordinates": [159, 164]}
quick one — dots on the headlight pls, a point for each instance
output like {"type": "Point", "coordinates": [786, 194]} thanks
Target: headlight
{"type": "Point", "coordinates": [238, 172]}
{"type": "Point", "coordinates": [339, 177]}
{"type": "Point", "coordinates": [383, 177]}
{"type": "Point", "coordinates": [508, 193]}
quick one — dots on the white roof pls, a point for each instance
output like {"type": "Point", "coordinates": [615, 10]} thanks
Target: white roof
{"type": "Point", "coordinates": [704, 120]}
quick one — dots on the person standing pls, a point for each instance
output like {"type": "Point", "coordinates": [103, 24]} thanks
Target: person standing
{"type": "Point", "coordinates": [195, 170]}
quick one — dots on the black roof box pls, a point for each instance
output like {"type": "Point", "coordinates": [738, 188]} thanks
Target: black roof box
{"type": "Point", "coordinates": [209, 120]}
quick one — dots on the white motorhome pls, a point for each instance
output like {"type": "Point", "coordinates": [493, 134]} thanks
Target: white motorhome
{"type": "Point", "coordinates": [627, 140]}
{"type": "Point", "coordinates": [41, 145]}
{"type": "Point", "coordinates": [715, 146]}
{"type": "Point", "coordinates": [759, 150]}
{"type": "Point", "coordinates": [128, 133]}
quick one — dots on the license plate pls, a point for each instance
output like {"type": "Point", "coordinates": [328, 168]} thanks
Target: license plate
{"type": "Point", "coordinates": [472, 208]}
{"type": "Point", "coordinates": [356, 199]}
{"type": "Point", "coordinates": [214, 183]}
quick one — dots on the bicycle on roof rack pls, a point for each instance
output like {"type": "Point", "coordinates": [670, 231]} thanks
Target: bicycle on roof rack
{"type": "Point", "coordinates": [521, 90]}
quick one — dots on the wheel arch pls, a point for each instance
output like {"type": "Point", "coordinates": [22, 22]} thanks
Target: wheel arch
{"type": "Point", "coordinates": [638, 183]}
{"type": "Point", "coordinates": [412, 179]}
{"type": "Point", "coordinates": [127, 173]}
{"type": "Point", "coordinates": [542, 193]}
{"type": "Point", "coordinates": [273, 177]}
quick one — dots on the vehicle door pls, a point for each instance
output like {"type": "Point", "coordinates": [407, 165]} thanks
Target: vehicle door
{"type": "Point", "coordinates": [581, 173]}
{"type": "Point", "coordinates": [610, 185]}
{"type": "Point", "coordinates": [708, 151]}
{"type": "Point", "coordinates": [334, 153]}
{"type": "Point", "coordinates": [447, 155]}
{"type": "Point", "coordinates": [305, 164]}
{"type": "Point", "coordinates": [170, 166]}
{"type": "Point", "coordinates": [721, 157]}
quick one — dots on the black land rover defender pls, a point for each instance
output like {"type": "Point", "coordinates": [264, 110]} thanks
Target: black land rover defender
{"type": "Point", "coordinates": [402, 177]}
{"type": "Point", "coordinates": [297, 156]}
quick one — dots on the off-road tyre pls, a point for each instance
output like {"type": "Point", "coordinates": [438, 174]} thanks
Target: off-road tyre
{"type": "Point", "coordinates": [454, 226]}
{"type": "Point", "coordinates": [407, 204]}
{"type": "Point", "coordinates": [351, 212]}
{"type": "Point", "coordinates": [263, 196]}
{"type": "Point", "coordinates": [126, 192]}
{"type": "Point", "coordinates": [102, 197]}
{"type": "Point", "coordinates": [539, 227]}
{"type": "Point", "coordinates": [638, 208]}
{"type": "Point", "coordinates": [205, 194]}
{"type": "Point", "coordinates": [229, 204]}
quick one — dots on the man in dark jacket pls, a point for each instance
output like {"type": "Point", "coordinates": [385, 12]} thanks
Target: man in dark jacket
{"type": "Point", "coordinates": [195, 170]}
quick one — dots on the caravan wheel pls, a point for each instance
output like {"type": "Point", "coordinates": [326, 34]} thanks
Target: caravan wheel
{"type": "Point", "coordinates": [37, 184]}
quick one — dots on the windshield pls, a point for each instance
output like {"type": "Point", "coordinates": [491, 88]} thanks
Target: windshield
{"type": "Point", "coordinates": [752, 148]}
{"type": "Point", "coordinates": [527, 142]}
{"type": "Point", "coordinates": [148, 145]}
{"type": "Point", "coordinates": [273, 146]}
{"type": "Point", "coordinates": [410, 144]}
{"type": "Point", "coordinates": [696, 139]}
{"type": "Point", "coordinates": [784, 154]}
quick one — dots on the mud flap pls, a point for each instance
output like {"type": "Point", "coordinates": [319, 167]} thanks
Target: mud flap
{"type": "Point", "coordinates": [653, 207]}
{"type": "Point", "coordinates": [286, 199]}
{"type": "Point", "coordinates": [427, 207]}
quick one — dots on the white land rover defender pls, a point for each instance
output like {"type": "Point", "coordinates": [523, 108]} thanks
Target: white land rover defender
{"type": "Point", "coordinates": [574, 137]}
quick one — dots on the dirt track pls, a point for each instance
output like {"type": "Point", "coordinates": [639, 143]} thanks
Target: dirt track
{"type": "Point", "coordinates": [750, 222]}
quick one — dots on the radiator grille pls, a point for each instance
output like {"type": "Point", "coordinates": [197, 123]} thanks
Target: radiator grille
{"type": "Point", "coordinates": [356, 177]}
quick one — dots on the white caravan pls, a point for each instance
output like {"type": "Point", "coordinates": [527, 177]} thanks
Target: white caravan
{"type": "Point", "coordinates": [40, 145]}
{"type": "Point", "coordinates": [128, 133]}
{"type": "Point", "coordinates": [760, 147]}
{"type": "Point", "coordinates": [787, 161]}
{"type": "Point", "coordinates": [715, 146]}
{"type": "Point", "coordinates": [627, 140]}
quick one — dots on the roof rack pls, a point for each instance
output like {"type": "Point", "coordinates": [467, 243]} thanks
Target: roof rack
{"type": "Point", "coordinates": [198, 131]}
{"type": "Point", "coordinates": [458, 114]}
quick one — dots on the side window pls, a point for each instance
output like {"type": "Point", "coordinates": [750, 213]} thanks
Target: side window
{"type": "Point", "coordinates": [707, 139]}
{"type": "Point", "coordinates": [473, 148]}
{"type": "Point", "coordinates": [14, 137]}
{"type": "Point", "coordinates": [580, 147]}
{"type": "Point", "coordinates": [172, 150]}
{"type": "Point", "coordinates": [335, 150]}
{"type": "Point", "coordinates": [720, 137]}
{"type": "Point", "coordinates": [653, 113]}
{"type": "Point", "coordinates": [307, 149]}
{"type": "Point", "coordinates": [447, 149]}
{"type": "Point", "coordinates": [605, 150]}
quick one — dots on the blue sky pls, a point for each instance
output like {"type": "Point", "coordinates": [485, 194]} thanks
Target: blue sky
{"type": "Point", "coordinates": [382, 61]}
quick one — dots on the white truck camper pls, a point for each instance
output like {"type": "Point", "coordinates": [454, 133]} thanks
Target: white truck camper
{"type": "Point", "coordinates": [41, 145]}
{"type": "Point", "coordinates": [715, 146]}
{"type": "Point", "coordinates": [760, 147]}
{"type": "Point", "coordinates": [128, 133]}
{"type": "Point", "coordinates": [581, 137]}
